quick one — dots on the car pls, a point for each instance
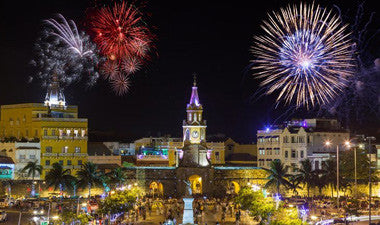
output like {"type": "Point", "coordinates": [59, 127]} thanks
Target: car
{"type": "Point", "coordinates": [3, 216]}
{"type": "Point", "coordinates": [38, 211]}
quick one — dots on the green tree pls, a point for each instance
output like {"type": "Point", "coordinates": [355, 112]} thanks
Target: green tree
{"type": "Point", "coordinates": [285, 216]}
{"type": "Point", "coordinates": [319, 180]}
{"type": "Point", "coordinates": [306, 175]}
{"type": "Point", "coordinates": [330, 175]}
{"type": "Point", "coordinates": [59, 178]}
{"type": "Point", "coordinates": [32, 169]}
{"type": "Point", "coordinates": [117, 176]}
{"type": "Point", "coordinates": [294, 184]}
{"type": "Point", "coordinates": [277, 176]}
{"type": "Point", "coordinates": [254, 201]}
{"type": "Point", "coordinates": [121, 201]}
{"type": "Point", "coordinates": [89, 176]}
{"type": "Point", "coordinates": [347, 166]}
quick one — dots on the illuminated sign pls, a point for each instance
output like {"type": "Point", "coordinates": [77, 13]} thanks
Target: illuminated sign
{"type": "Point", "coordinates": [6, 171]}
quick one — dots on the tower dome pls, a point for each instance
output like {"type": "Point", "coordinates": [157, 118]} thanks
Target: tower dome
{"type": "Point", "coordinates": [54, 95]}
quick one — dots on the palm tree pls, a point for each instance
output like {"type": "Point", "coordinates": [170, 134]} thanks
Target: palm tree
{"type": "Point", "coordinates": [32, 169]}
{"type": "Point", "coordinates": [277, 175]}
{"type": "Point", "coordinates": [294, 184]}
{"type": "Point", "coordinates": [117, 176]}
{"type": "Point", "coordinates": [330, 168]}
{"type": "Point", "coordinates": [320, 180]}
{"type": "Point", "coordinates": [59, 178]}
{"type": "Point", "coordinates": [306, 174]}
{"type": "Point", "coordinates": [89, 176]}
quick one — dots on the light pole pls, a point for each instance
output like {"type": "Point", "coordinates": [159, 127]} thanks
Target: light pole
{"type": "Point", "coordinates": [347, 144]}
{"type": "Point", "coordinates": [369, 172]}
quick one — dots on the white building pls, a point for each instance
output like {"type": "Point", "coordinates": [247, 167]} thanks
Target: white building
{"type": "Point", "coordinates": [26, 152]}
{"type": "Point", "coordinates": [298, 140]}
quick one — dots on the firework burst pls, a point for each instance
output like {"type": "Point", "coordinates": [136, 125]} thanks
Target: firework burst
{"type": "Point", "coordinates": [120, 84]}
{"type": "Point", "coordinates": [65, 53]}
{"type": "Point", "coordinates": [305, 55]}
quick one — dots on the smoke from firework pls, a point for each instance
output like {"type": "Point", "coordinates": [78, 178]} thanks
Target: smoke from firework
{"type": "Point", "coordinates": [65, 53]}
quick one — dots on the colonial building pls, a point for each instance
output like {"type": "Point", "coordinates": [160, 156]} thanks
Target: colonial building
{"type": "Point", "coordinates": [298, 140]}
{"type": "Point", "coordinates": [62, 135]}
{"type": "Point", "coordinates": [195, 160]}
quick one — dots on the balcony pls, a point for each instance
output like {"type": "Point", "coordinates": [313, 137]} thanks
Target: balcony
{"type": "Point", "coordinates": [152, 157]}
{"type": "Point", "coordinates": [48, 167]}
{"type": "Point", "coordinates": [80, 154]}
{"type": "Point", "coordinates": [77, 167]}
{"type": "Point", "coordinates": [66, 154]}
{"type": "Point", "coordinates": [68, 167]}
{"type": "Point", "coordinates": [49, 154]}
{"type": "Point", "coordinates": [64, 138]}
{"type": "Point", "coordinates": [50, 137]}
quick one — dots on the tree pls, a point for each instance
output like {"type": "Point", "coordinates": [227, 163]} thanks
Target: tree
{"type": "Point", "coordinates": [319, 180]}
{"type": "Point", "coordinates": [254, 201]}
{"type": "Point", "coordinates": [117, 176]}
{"type": "Point", "coordinates": [285, 216]}
{"type": "Point", "coordinates": [89, 176]}
{"type": "Point", "coordinates": [59, 178]}
{"type": "Point", "coordinates": [121, 201]}
{"type": "Point", "coordinates": [294, 184]}
{"type": "Point", "coordinates": [347, 166]}
{"type": "Point", "coordinates": [277, 175]}
{"type": "Point", "coordinates": [306, 174]}
{"type": "Point", "coordinates": [330, 175]}
{"type": "Point", "coordinates": [32, 169]}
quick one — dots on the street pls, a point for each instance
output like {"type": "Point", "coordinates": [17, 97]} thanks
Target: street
{"type": "Point", "coordinates": [13, 217]}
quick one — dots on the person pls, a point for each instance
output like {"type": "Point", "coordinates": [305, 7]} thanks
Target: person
{"type": "Point", "coordinates": [237, 216]}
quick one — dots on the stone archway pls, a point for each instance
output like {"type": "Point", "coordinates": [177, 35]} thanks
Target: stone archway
{"type": "Point", "coordinates": [156, 188]}
{"type": "Point", "coordinates": [196, 184]}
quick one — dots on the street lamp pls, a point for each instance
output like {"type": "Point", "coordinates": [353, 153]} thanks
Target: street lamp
{"type": "Point", "coordinates": [347, 144]}
{"type": "Point", "coordinates": [369, 139]}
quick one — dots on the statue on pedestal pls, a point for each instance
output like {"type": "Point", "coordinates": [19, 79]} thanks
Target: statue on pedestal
{"type": "Point", "coordinates": [188, 186]}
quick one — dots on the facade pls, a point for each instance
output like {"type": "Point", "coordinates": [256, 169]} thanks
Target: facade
{"type": "Point", "coordinates": [62, 135]}
{"type": "Point", "coordinates": [7, 168]}
{"type": "Point", "coordinates": [298, 140]}
{"type": "Point", "coordinates": [26, 152]}
{"type": "Point", "coordinates": [100, 154]}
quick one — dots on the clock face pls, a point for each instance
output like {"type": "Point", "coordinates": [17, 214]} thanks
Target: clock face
{"type": "Point", "coordinates": [195, 134]}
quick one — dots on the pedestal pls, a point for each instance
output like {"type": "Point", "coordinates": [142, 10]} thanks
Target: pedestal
{"type": "Point", "coordinates": [188, 213]}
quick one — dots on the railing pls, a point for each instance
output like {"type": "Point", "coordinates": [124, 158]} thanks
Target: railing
{"type": "Point", "coordinates": [80, 154]}
{"type": "Point", "coordinates": [49, 154]}
{"type": "Point", "coordinates": [152, 157]}
{"type": "Point", "coordinates": [65, 154]}
{"type": "Point", "coordinates": [64, 138]}
{"type": "Point", "coordinates": [68, 167]}
{"type": "Point", "coordinates": [48, 167]}
{"type": "Point", "coordinates": [77, 167]}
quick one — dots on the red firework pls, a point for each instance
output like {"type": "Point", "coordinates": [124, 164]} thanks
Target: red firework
{"type": "Point", "coordinates": [120, 84]}
{"type": "Point", "coordinates": [120, 32]}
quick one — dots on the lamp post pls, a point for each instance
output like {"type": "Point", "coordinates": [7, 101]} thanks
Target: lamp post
{"type": "Point", "coordinates": [347, 144]}
{"type": "Point", "coordinates": [369, 178]}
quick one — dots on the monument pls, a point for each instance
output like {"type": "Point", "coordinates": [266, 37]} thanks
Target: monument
{"type": "Point", "coordinates": [188, 213]}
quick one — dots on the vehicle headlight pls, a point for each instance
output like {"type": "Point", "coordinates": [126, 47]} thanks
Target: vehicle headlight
{"type": "Point", "coordinates": [35, 212]}
{"type": "Point", "coordinates": [42, 211]}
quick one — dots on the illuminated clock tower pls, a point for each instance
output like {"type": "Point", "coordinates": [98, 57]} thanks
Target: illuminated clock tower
{"type": "Point", "coordinates": [194, 127]}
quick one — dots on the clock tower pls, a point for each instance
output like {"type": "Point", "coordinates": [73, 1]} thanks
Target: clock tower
{"type": "Point", "coordinates": [194, 127]}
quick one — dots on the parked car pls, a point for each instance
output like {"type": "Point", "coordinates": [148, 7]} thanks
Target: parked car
{"type": "Point", "coordinates": [38, 211]}
{"type": "Point", "coordinates": [3, 216]}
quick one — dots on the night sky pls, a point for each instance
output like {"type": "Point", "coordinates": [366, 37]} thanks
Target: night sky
{"type": "Point", "coordinates": [211, 39]}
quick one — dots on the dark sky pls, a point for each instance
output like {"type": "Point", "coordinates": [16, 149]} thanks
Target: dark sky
{"type": "Point", "coordinates": [211, 39]}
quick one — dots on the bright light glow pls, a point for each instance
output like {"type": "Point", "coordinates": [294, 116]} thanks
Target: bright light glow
{"type": "Point", "coordinates": [327, 143]}
{"type": "Point", "coordinates": [255, 187]}
{"type": "Point", "coordinates": [84, 204]}
{"type": "Point", "coordinates": [313, 217]}
{"type": "Point", "coordinates": [347, 144]}
{"type": "Point", "coordinates": [112, 192]}
{"type": "Point", "coordinates": [35, 218]}
{"type": "Point", "coordinates": [291, 206]}
{"type": "Point", "coordinates": [56, 217]}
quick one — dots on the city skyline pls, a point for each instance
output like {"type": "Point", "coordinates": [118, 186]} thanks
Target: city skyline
{"type": "Point", "coordinates": [212, 41]}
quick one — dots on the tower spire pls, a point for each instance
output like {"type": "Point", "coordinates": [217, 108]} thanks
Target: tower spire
{"type": "Point", "coordinates": [195, 79]}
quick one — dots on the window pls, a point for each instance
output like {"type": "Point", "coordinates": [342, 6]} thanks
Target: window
{"type": "Point", "coordinates": [230, 147]}
{"type": "Point", "coordinates": [22, 157]}
{"type": "Point", "coordinates": [83, 133]}
{"type": "Point", "coordinates": [293, 139]}
{"type": "Point", "coordinates": [65, 149]}
{"type": "Point", "coordinates": [36, 133]}
{"type": "Point", "coordinates": [49, 149]}
{"type": "Point", "coordinates": [77, 149]}
{"type": "Point", "coordinates": [61, 162]}
{"type": "Point", "coordinates": [316, 165]}
{"type": "Point", "coordinates": [76, 133]}
{"type": "Point", "coordinates": [53, 132]}
{"type": "Point", "coordinates": [47, 163]}
{"type": "Point", "coordinates": [217, 156]}
{"type": "Point", "coordinates": [269, 151]}
{"type": "Point", "coordinates": [293, 153]}
{"type": "Point", "coordinates": [189, 116]}
{"type": "Point", "coordinates": [69, 162]}
{"type": "Point", "coordinates": [32, 157]}
{"type": "Point", "coordinates": [27, 133]}
{"type": "Point", "coordinates": [302, 155]}
{"type": "Point", "coordinates": [286, 154]}
{"type": "Point", "coordinates": [45, 133]}
{"type": "Point", "coordinates": [79, 162]}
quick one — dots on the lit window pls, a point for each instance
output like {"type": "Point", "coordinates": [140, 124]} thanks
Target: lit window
{"type": "Point", "coordinates": [76, 133]}
{"type": "Point", "coordinates": [83, 133]}
{"type": "Point", "coordinates": [68, 132]}
{"type": "Point", "coordinates": [65, 149]}
{"type": "Point", "coordinates": [77, 149]}
{"type": "Point", "coordinates": [45, 132]}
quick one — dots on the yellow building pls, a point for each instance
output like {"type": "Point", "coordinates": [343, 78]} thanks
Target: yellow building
{"type": "Point", "coordinates": [62, 135]}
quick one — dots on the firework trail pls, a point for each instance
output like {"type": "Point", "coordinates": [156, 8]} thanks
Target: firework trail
{"type": "Point", "coordinates": [305, 55]}
{"type": "Point", "coordinates": [122, 36]}
{"type": "Point", "coordinates": [65, 53]}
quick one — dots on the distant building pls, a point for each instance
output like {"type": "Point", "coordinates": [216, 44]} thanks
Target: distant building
{"type": "Point", "coordinates": [99, 154]}
{"type": "Point", "coordinates": [119, 148]}
{"type": "Point", "coordinates": [298, 140]}
{"type": "Point", "coordinates": [7, 168]}
{"type": "Point", "coordinates": [62, 135]}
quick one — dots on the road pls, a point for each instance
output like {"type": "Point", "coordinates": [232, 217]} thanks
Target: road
{"type": "Point", "coordinates": [13, 217]}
